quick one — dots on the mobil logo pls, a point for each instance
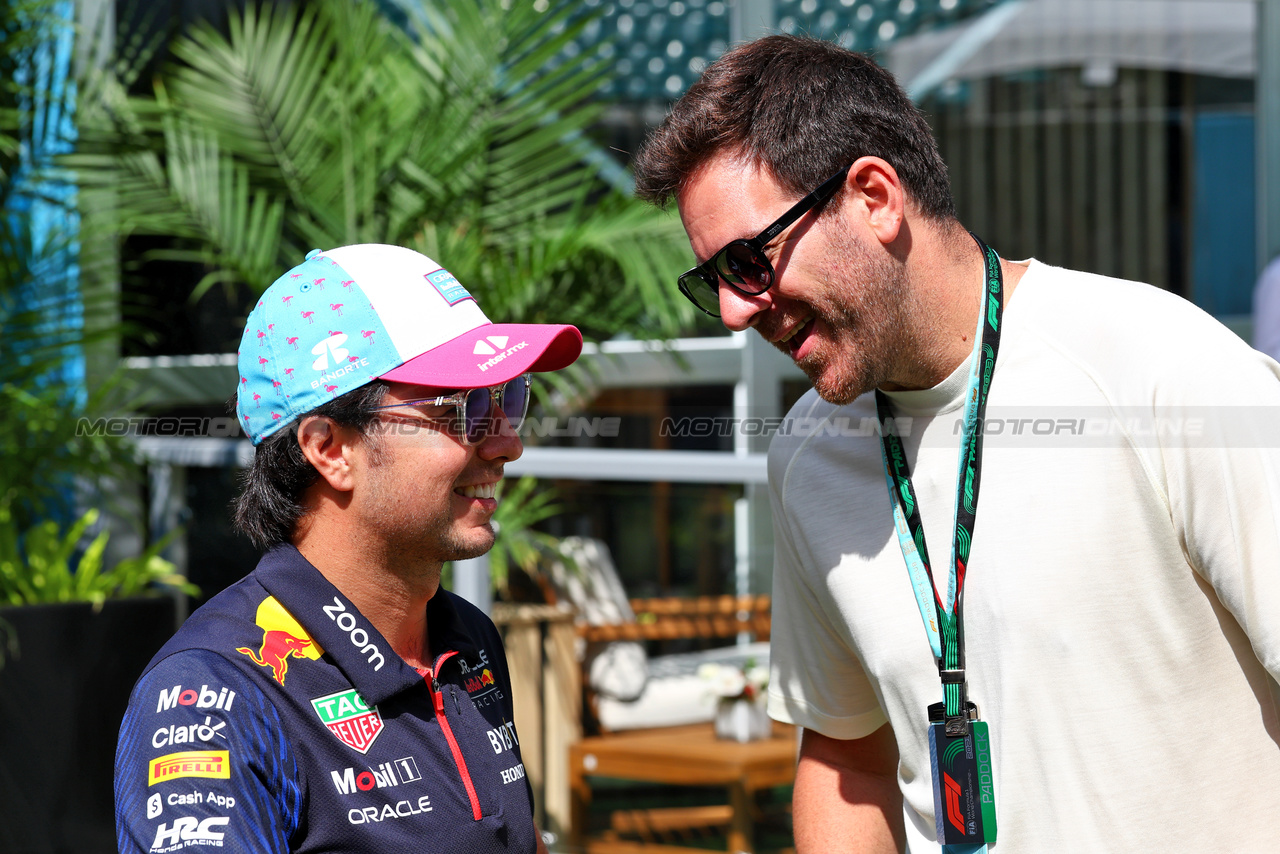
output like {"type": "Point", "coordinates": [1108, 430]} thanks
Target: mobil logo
{"type": "Point", "coordinates": [384, 776]}
{"type": "Point", "coordinates": [349, 718]}
{"type": "Point", "coordinates": [283, 638]}
{"type": "Point", "coordinates": [204, 698]}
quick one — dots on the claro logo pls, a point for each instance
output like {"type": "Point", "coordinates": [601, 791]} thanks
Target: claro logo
{"type": "Point", "coordinates": [359, 637]}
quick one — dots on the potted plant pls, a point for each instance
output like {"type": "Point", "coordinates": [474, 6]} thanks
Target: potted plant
{"type": "Point", "coordinates": [76, 635]}
{"type": "Point", "coordinates": [77, 626]}
{"type": "Point", "coordinates": [739, 691]}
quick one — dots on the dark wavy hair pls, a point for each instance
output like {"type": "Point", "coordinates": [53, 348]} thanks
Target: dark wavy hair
{"type": "Point", "coordinates": [801, 108]}
{"type": "Point", "coordinates": [270, 501]}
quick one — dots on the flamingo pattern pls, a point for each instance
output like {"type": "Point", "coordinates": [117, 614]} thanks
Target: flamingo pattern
{"type": "Point", "coordinates": [284, 324]}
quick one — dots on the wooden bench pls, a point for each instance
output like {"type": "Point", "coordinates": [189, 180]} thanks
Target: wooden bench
{"type": "Point", "coordinates": [554, 706]}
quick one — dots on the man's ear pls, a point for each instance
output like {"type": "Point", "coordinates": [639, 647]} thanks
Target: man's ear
{"type": "Point", "coordinates": [876, 192]}
{"type": "Point", "coordinates": [327, 446]}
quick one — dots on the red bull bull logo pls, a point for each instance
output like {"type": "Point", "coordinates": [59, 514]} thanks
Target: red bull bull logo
{"type": "Point", "coordinates": [481, 682]}
{"type": "Point", "coordinates": [283, 638]}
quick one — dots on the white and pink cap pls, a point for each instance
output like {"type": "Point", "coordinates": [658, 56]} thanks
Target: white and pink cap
{"type": "Point", "coordinates": [345, 317]}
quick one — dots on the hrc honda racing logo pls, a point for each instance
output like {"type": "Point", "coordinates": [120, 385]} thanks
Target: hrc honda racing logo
{"type": "Point", "coordinates": [495, 346]}
{"type": "Point", "coordinates": [189, 831]}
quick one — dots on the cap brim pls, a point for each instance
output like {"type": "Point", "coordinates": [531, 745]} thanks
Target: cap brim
{"type": "Point", "coordinates": [491, 354]}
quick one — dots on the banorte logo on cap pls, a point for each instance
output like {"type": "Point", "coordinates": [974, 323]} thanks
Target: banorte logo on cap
{"type": "Point", "coordinates": [283, 637]}
{"type": "Point", "coordinates": [330, 347]}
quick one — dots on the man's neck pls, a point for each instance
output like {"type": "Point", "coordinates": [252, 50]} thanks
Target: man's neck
{"type": "Point", "coordinates": [392, 593]}
{"type": "Point", "coordinates": [947, 277]}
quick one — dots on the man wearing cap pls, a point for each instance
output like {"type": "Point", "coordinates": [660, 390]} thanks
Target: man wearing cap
{"type": "Point", "coordinates": [337, 699]}
{"type": "Point", "coordinates": [1092, 667]}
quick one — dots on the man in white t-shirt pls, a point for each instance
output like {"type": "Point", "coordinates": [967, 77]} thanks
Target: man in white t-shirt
{"type": "Point", "coordinates": [1106, 680]}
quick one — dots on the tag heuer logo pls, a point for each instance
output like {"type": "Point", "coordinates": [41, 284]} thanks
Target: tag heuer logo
{"type": "Point", "coordinates": [484, 349]}
{"type": "Point", "coordinates": [349, 718]}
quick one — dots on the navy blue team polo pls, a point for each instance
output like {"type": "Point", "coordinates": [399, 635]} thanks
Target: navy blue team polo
{"type": "Point", "coordinates": [279, 719]}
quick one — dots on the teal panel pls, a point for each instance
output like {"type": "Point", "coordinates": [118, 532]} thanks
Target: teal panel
{"type": "Point", "coordinates": [1224, 214]}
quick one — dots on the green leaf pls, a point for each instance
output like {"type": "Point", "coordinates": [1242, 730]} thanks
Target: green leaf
{"type": "Point", "coordinates": [322, 124]}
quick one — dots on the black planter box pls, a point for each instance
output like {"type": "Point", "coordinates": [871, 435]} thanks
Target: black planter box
{"type": "Point", "coordinates": [62, 698]}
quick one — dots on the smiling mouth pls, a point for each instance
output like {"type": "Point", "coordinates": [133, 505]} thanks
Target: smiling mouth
{"type": "Point", "coordinates": [478, 490]}
{"type": "Point", "coordinates": [792, 340]}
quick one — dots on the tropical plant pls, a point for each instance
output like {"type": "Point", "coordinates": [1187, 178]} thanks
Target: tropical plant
{"type": "Point", "coordinates": [324, 123]}
{"type": "Point", "coordinates": [521, 505]}
{"type": "Point", "coordinates": [47, 564]}
{"type": "Point", "coordinates": [44, 306]}
{"type": "Point", "coordinates": [460, 134]}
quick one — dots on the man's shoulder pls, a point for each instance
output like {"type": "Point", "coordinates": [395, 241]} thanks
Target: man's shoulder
{"type": "Point", "coordinates": [1078, 304]}
{"type": "Point", "coordinates": [226, 621]}
{"type": "Point", "coordinates": [1132, 338]}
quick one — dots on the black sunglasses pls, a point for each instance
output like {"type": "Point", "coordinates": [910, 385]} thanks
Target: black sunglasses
{"type": "Point", "coordinates": [742, 264]}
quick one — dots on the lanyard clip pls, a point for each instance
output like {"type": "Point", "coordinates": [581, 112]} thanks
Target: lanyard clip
{"type": "Point", "coordinates": [956, 725]}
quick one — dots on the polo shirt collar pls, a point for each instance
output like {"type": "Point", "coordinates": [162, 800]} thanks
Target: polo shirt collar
{"type": "Point", "coordinates": [360, 651]}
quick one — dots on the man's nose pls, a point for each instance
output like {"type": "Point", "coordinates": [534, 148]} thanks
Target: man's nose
{"type": "Point", "coordinates": [739, 311]}
{"type": "Point", "coordinates": [501, 441]}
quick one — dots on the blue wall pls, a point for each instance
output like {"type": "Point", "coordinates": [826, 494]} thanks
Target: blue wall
{"type": "Point", "coordinates": [1223, 218]}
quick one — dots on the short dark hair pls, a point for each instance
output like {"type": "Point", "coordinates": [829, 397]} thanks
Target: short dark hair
{"type": "Point", "coordinates": [801, 108]}
{"type": "Point", "coordinates": [270, 501]}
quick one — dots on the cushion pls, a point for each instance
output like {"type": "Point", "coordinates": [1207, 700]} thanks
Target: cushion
{"type": "Point", "coordinates": [674, 693]}
{"type": "Point", "coordinates": [589, 581]}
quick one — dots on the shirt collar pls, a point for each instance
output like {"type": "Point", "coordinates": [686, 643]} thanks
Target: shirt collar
{"type": "Point", "coordinates": [360, 651]}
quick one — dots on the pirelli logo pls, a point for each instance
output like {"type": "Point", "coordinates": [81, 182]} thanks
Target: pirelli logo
{"type": "Point", "coordinates": [215, 764]}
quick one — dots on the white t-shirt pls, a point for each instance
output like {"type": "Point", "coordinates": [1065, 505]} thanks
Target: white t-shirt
{"type": "Point", "coordinates": [1122, 604]}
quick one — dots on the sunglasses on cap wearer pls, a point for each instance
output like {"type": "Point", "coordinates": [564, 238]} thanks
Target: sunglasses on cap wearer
{"type": "Point", "coordinates": [474, 407]}
{"type": "Point", "coordinates": [742, 264]}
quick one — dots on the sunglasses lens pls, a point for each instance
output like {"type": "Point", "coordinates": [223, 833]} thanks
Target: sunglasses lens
{"type": "Point", "coordinates": [513, 398]}
{"type": "Point", "coordinates": [515, 401]}
{"type": "Point", "coordinates": [744, 267]}
{"type": "Point", "coordinates": [477, 411]}
{"type": "Point", "coordinates": [701, 293]}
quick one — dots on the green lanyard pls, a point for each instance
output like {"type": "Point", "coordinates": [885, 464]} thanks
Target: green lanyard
{"type": "Point", "coordinates": [946, 636]}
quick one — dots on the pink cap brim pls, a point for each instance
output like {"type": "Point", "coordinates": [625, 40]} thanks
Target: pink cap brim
{"type": "Point", "coordinates": [474, 360]}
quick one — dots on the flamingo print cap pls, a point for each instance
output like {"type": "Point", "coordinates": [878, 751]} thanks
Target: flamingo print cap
{"type": "Point", "coordinates": [348, 316]}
